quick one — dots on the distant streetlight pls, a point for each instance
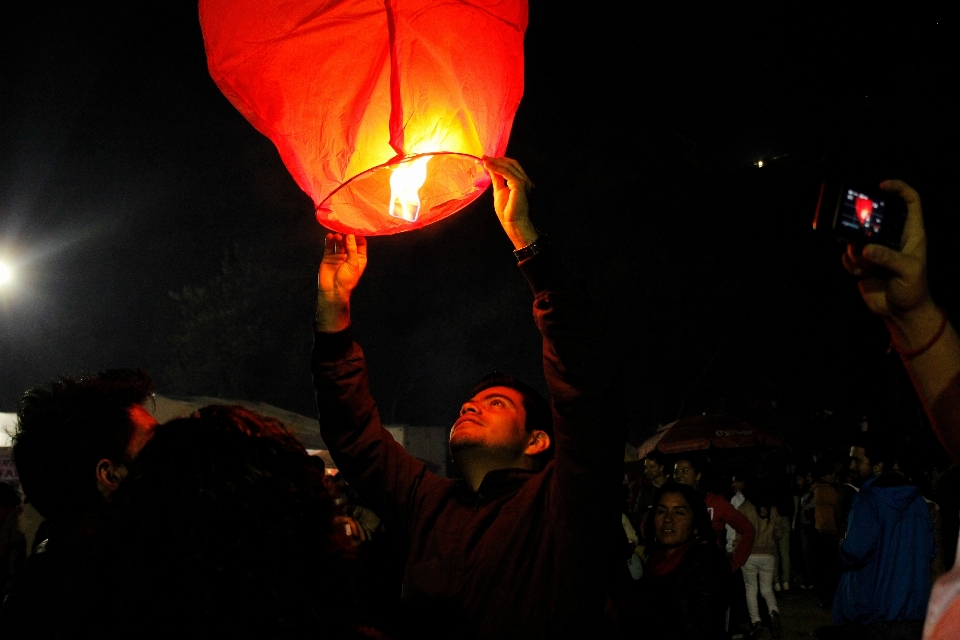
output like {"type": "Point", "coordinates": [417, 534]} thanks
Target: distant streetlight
{"type": "Point", "coordinates": [6, 274]}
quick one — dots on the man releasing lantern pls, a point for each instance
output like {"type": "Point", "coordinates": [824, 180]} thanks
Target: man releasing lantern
{"type": "Point", "coordinates": [380, 109]}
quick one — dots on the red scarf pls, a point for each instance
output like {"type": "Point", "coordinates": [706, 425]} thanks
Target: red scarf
{"type": "Point", "coordinates": [664, 563]}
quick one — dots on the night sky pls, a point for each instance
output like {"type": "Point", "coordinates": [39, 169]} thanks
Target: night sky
{"type": "Point", "coordinates": [152, 226]}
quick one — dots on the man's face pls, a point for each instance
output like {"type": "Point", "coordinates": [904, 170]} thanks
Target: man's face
{"type": "Point", "coordinates": [110, 473]}
{"type": "Point", "coordinates": [860, 467]}
{"type": "Point", "coordinates": [737, 484]}
{"type": "Point", "coordinates": [494, 418]}
{"type": "Point", "coordinates": [684, 473]}
{"type": "Point", "coordinates": [652, 469]}
{"type": "Point", "coordinates": [143, 424]}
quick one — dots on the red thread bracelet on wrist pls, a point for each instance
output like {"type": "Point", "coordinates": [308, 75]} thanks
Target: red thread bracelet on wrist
{"type": "Point", "coordinates": [915, 352]}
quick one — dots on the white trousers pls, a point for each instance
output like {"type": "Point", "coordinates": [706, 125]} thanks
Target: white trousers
{"type": "Point", "coordinates": [759, 569]}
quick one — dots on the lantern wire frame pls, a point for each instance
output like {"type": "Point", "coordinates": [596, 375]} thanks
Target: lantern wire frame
{"type": "Point", "coordinates": [453, 181]}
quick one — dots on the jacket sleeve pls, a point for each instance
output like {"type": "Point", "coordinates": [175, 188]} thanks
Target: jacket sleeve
{"type": "Point", "coordinates": [739, 523]}
{"type": "Point", "coordinates": [582, 371]}
{"type": "Point", "coordinates": [863, 527]}
{"type": "Point", "coordinates": [380, 470]}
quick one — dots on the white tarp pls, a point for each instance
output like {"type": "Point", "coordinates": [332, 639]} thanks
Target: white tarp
{"type": "Point", "coordinates": [305, 428]}
{"type": "Point", "coordinates": [8, 422]}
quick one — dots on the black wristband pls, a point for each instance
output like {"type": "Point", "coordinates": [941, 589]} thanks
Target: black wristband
{"type": "Point", "coordinates": [534, 248]}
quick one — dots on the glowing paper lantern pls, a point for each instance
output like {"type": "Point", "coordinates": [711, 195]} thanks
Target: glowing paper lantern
{"type": "Point", "coordinates": [380, 109]}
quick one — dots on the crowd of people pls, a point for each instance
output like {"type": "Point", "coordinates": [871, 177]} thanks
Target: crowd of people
{"type": "Point", "coordinates": [220, 524]}
{"type": "Point", "coordinates": [788, 531]}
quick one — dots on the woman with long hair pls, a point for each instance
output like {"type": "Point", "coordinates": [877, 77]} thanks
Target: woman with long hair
{"type": "Point", "coordinates": [685, 585]}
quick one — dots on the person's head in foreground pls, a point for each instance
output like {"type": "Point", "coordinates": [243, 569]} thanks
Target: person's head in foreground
{"type": "Point", "coordinates": [76, 439]}
{"type": "Point", "coordinates": [505, 424]}
{"type": "Point", "coordinates": [223, 528]}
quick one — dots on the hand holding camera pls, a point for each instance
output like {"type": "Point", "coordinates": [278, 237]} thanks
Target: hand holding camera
{"type": "Point", "coordinates": [894, 283]}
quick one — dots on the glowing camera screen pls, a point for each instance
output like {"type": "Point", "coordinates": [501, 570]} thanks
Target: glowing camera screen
{"type": "Point", "coordinates": [861, 214]}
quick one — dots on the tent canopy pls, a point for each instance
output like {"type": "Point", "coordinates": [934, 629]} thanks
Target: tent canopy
{"type": "Point", "coordinates": [696, 433]}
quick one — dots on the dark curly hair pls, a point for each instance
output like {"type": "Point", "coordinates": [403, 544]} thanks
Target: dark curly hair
{"type": "Point", "coordinates": [537, 409]}
{"type": "Point", "coordinates": [65, 428]}
{"type": "Point", "coordinates": [701, 517]}
{"type": "Point", "coordinates": [223, 528]}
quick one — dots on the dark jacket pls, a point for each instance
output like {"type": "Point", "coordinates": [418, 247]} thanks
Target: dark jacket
{"type": "Point", "coordinates": [524, 556]}
{"type": "Point", "coordinates": [44, 599]}
{"type": "Point", "coordinates": [689, 603]}
{"type": "Point", "coordinates": [886, 554]}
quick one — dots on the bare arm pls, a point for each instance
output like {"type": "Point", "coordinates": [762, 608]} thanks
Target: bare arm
{"type": "Point", "coordinates": [902, 299]}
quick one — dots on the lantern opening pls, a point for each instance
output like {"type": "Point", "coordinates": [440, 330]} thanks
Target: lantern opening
{"type": "Point", "coordinates": [405, 182]}
{"type": "Point", "coordinates": [447, 183]}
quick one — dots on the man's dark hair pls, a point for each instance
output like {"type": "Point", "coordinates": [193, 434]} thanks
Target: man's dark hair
{"type": "Point", "coordinates": [824, 468]}
{"type": "Point", "coordinates": [657, 457]}
{"type": "Point", "coordinates": [65, 428]}
{"type": "Point", "coordinates": [878, 449]}
{"type": "Point", "coordinates": [701, 517]}
{"type": "Point", "coordinates": [9, 498]}
{"type": "Point", "coordinates": [223, 527]}
{"type": "Point", "coordinates": [537, 409]}
{"type": "Point", "coordinates": [696, 461]}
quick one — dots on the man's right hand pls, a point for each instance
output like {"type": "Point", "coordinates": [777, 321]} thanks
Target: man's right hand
{"type": "Point", "coordinates": [344, 259]}
{"type": "Point", "coordinates": [899, 295]}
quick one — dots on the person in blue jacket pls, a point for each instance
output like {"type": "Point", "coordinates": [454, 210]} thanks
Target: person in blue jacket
{"type": "Point", "coordinates": [887, 550]}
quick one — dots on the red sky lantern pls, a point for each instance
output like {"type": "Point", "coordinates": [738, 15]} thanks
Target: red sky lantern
{"type": "Point", "coordinates": [864, 207]}
{"type": "Point", "coordinates": [381, 109]}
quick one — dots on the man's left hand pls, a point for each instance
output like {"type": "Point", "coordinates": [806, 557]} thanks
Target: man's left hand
{"type": "Point", "coordinates": [510, 189]}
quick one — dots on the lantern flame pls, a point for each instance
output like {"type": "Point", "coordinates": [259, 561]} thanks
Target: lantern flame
{"type": "Point", "coordinates": [405, 183]}
{"type": "Point", "coordinates": [864, 209]}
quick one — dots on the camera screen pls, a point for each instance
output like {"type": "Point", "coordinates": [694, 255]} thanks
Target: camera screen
{"type": "Point", "coordinates": [860, 214]}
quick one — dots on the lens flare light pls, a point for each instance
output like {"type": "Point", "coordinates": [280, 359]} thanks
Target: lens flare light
{"type": "Point", "coordinates": [6, 274]}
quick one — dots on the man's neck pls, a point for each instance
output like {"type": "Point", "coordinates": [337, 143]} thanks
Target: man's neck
{"type": "Point", "coordinates": [659, 480]}
{"type": "Point", "coordinates": [476, 463]}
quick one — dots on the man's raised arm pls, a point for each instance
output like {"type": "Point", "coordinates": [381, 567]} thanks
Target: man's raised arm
{"type": "Point", "coordinates": [367, 456]}
{"type": "Point", "coordinates": [581, 363]}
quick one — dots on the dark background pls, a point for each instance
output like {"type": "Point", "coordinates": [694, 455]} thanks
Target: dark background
{"type": "Point", "coordinates": [152, 226]}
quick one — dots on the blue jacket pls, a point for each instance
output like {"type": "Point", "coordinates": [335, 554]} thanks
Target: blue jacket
{"type": "Point", "coordinates": [885, 555]}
